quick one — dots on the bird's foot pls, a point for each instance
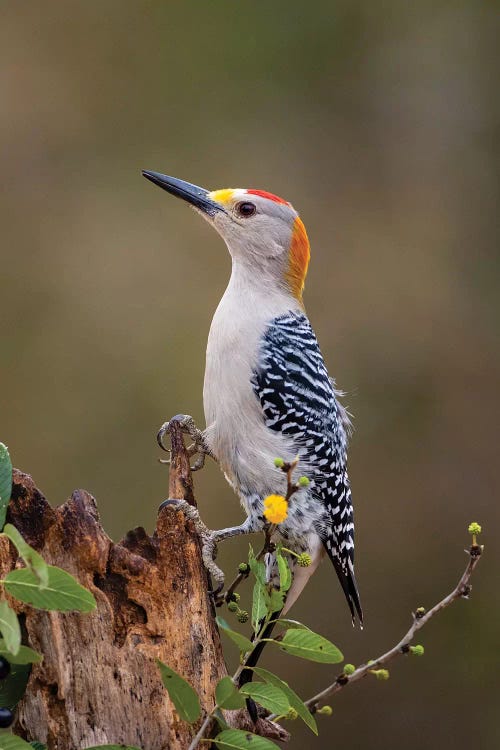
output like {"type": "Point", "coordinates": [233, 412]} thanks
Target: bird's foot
{"type": "Point", "coordinates": [207, 537]}
{"type": "Point", "coordinates": [198, 448]}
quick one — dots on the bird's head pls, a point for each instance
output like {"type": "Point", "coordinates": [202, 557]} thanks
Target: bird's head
{"type": "Point", "coordinates": [262, 231]}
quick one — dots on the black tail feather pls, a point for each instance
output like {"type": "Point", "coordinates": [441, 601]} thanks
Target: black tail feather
{"type": "Point", "coordinates": [350, 589]}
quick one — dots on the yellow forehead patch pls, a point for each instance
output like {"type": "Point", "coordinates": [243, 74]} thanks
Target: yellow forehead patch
{"type": "Point", "coordinates": [222, 196]}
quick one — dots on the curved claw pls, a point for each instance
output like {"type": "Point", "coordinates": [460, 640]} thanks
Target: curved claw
{"type": "Point", "coordinates": [209, 553]}
{"type": "Point", "coordinates": [200, 461]}
{"type": "Point", "coordinates": [198, 447]}
{"type": "Point", "coordinates": [215, 592]}
{"type": "Point", "coordinates": [161, 434]}
{"type": "Point", "coordinates": [168, 502]}
{"type": "Point", "coordinates": [185, 421]}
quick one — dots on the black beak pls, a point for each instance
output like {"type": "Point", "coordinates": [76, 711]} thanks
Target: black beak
{"type": "Point", "coordinates": [197, 196]}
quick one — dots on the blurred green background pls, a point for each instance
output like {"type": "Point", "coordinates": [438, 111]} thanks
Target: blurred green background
{"type": "Point", "coordinates": [379, 121]}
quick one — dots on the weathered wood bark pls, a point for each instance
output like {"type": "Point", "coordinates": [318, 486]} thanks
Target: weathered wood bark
{"type": "Point", "coordinates": [98, 682]}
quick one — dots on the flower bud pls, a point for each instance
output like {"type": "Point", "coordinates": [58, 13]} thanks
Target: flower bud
{"type": "Point", "coordinates": [304, 560]}
{"type": "Point", "coordinates": [474, 528]}
{"type": "Point", "coordinates": [417, 650]}
{"type": "Point", "coordinates": [325, 710]}
{"type": "Point", "coordinates": [380, 674]}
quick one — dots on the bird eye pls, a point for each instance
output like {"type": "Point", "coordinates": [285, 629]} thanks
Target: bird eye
{"type": "Point", "coordinates": [246, 209]}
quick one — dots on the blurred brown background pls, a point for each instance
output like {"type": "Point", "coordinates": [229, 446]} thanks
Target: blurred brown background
{"type": "Point", "coordinates": [379, 122]}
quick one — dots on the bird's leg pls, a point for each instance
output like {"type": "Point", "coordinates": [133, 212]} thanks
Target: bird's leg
{"type": "Point", "coordinates": [210, 539]}
{"type": "Point", "coordinates": [211, 542]}
{"type": "Point", "coordinates": [199, 447]}
{"type": "Point", "coordinates": [249, 526]}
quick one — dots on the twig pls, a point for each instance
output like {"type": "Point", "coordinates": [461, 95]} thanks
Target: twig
{"type": "Point", "coordinates": [210, 718]}
{"type": "Point", "coordinates": [269, 546]}
{"type": "Point", "coordinates": [291, 488]}
{"type": "Point", "coordinates": [227, 596]}
{"type": "Point", "coordinates": [420, 618]}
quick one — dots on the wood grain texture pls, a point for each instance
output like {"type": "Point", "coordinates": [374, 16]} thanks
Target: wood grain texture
{"type": "Point", "coordinates": [98, 682]}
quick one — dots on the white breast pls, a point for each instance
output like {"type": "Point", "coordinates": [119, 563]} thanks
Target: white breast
{"type": "Point", "coordinates": [236, 433]}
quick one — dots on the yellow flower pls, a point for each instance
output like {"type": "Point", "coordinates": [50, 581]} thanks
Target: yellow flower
{"type": "Point", "coordinates": [275, 508]}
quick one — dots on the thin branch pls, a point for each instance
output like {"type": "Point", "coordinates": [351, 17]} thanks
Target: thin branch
{"type": "Point", "coordinates": [462, 590]}
{"type": "Point", "coordinates": [227, 596]}
{"type": "Point", "coordinates": [210, 718]}
{"type": "Point", "coordinates": [287, 468]}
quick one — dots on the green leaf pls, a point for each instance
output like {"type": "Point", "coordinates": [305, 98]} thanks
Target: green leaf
{"type": "Point", "coordinates": [181, 693]}
{"type": "Point", "coordinates": [277, 600]}
{"type": "Point", "coordinates": [293, 699]}
{"type": "Point", "coordinates": [38, 745]}
{"type": "Point", "coordinates": [291, 624]}
{"type": "Point", "coordinates": [13, 687]}
{"type": "Point", "coordinates": [5, 482]}
{"type": "Point", "coordinates": [13, 742]}
{"type": "Point", "coordinates": [269, 696]}
{"type": "Point", "coordinates": [9, 626]}
{"type": "Point", "coordinates": [237, 739]}
{"type": "Point", "coordinates": [25, 655]}
{"type": "Point", "coordinates": [311, 646]}
{"type": "Point", "coordinates": [219, 718]}
{"type": "Point", "coordinates": [33, 560]}
{"type": "Point", "coordinates": [260, 604]}
{"type": "Point", "coordinates": [243, 643]}
{"type": "Point", "coordinates": [62, 593]}
{"type": "Point", "coordinates": [284, 571]}
{"type": "Point", "coordinates": [257, 567]}
{"type": "Point", "coordinates": [227, 695]}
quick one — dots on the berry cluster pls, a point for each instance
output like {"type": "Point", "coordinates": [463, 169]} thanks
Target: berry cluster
{"type": "Point", "coordinates": [6, 716]}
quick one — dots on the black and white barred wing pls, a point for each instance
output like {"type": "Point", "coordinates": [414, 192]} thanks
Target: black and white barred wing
{"type": "Point", "coordinates": [298, 400]}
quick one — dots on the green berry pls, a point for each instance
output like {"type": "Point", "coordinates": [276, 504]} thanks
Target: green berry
{"type": "Point", "coordinates": [304, 560]}
{"type": "Point", "coordinates": [232, 607]}
{"type": "Point", "coordinates": [325, 710]}
{"type": "Point", "coordinates": [349, 669]}
{"type": "Point", "coordinates": [303, 482]}
{"type": "Point", "coordinates": [243, 616]}
{"type": "Point", "coordinates": [474, 528]}
{"type": "Point", "coordinates": [381, 674]}
{"type": "Point", "coordinates": [279, 463]}
{"type": "Point", "coordinates": [417, 650]}
{"type": "Point", "coordinates": [243, 568]}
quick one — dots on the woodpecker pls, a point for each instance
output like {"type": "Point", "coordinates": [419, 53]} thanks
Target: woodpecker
{"type": "Point", "coordinates": [267, 392]}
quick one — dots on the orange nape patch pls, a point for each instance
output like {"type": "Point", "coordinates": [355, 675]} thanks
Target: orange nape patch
{"type": "Point", "coordinates": [269, 196]}
{"type": "Point", "coordinates": [222, 196]}
{"type": "Point", "coordinates": [298, 259]}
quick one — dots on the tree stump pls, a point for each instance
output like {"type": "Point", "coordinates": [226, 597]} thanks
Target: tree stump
{"type": "Point", "coordinates": [98, 682]}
